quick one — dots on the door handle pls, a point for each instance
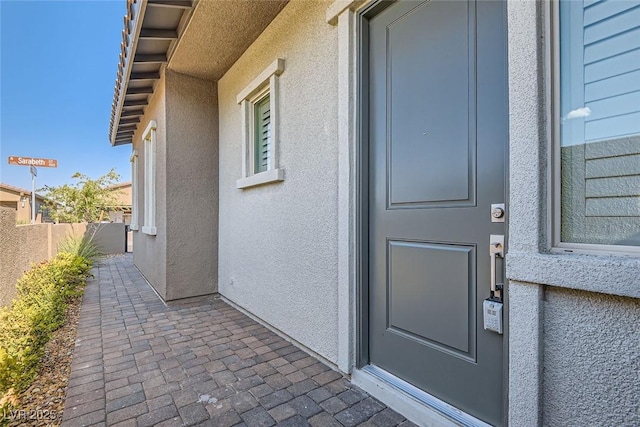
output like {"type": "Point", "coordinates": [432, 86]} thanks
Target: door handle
{"type": "Point", "coordinates": [496, 250]}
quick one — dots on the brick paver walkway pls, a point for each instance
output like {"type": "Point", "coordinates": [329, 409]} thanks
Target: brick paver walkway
{"type": "Point", "coordinates": [138, 362]}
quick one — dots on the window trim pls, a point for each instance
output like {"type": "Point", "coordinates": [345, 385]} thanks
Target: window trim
{"type": "Point", "coordinates": [266, 83]}
{"type": "Point", "coordinates": [553, 130]}
{"type": "Point", "coordinates": [134, 191]}
{"type": "Point", "coordinates": [149, 141]}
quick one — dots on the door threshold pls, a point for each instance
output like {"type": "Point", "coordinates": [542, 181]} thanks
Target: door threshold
{"type": "Point", "coordinates": [416, 405]}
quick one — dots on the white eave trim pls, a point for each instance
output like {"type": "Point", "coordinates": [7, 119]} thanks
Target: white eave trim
{"type": "Point", "coordinates": [138, 17]}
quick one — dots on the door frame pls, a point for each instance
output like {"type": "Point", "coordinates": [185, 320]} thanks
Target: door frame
{"type": "Point", "coordinates": [361, 205]}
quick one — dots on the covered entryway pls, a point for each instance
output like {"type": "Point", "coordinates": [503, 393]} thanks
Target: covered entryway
{"type": "Point", "coordinates": [197, 361]}
{"type": "Point", "coordinates": [436, 137]}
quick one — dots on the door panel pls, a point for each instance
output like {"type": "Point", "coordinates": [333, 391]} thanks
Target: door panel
{"type": "Point", "coordinates": [437, 150]}
{"type": "Point", "coordinates": [428, 108]}
{"type": "Point", "coordinates": [430, 287]}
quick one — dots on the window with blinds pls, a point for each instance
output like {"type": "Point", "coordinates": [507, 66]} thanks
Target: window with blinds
{"type": "Point", "coordinates": [599, 121]}
{"type": "Point", "coordinates": [262, 134]}
{"type": "Point", "coordinates": [259, 110]}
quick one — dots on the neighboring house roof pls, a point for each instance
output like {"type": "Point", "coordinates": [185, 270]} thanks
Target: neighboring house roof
{"type": "Point", "coordinates": [202, 39]}
{"type": "Point", "coordinates": [19, 191]}
{"type": "Point", "coordinates": [120, 185]}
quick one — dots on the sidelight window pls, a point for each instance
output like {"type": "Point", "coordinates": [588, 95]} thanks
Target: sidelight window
{"type": "Point", "coordinates": [597, 124]}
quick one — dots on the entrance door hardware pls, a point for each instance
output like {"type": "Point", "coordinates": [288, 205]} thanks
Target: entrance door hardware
{"type": "Point", "coordinates": [492, 306]}
{"type": "Point", "coordinates": [497, 212]}
{"type": "Point", "coordinates": [496, 250]}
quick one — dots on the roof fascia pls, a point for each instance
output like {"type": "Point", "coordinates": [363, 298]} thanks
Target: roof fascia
{"type": "Point", "coordinates": [139, 9]}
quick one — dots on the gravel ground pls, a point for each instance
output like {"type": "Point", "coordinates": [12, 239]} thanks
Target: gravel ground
{"type": "Point", "coordinates": [43, 402]}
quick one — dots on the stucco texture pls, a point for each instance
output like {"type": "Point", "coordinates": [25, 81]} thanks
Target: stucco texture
{"type": "Point", "coordinates": [20, 246]}
{"type": "Point", "coordinates": [123, 194]}
{"type": "Point", "coordinates": [180, 261]}
{"type": "Point", "coordinates": [24, 245]}
{"type": "Point", "coordinates": [279, 242]}
{"type": "Point", "coordinates": [525, 350]}
{"type": "Point", "coordinates": [574, 354]}
{"type": "Point", "coordinates": [13, 197]}
{"type": "Point", "coordinates": [218, 33]}
{"type": "Point", "coordinates": [591, 359]}
{"type": "Point", "coordinates": [191, 186]}
{"type": "Point", "coordinates": [150, 252]}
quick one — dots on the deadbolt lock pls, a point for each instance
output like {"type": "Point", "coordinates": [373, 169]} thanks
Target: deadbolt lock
{"type": "Point", "coordinates": [497, 212]}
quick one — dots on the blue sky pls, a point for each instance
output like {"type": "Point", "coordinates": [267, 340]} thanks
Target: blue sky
{"type": "Point", "coordinates": [58, 62]}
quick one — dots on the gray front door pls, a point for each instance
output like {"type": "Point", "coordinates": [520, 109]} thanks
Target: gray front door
{"type": "Point", "coordinates": [437, 138]}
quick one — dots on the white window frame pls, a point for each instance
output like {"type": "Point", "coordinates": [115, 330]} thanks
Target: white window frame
{"type": "Point", "coordinates": [134, 191]}
{"type": "Point", "coordinates": [554, 120]}
{"type": "Point", "coordinates": [266, 82]}
{"type": "Point", "coordinates": [149, 141]}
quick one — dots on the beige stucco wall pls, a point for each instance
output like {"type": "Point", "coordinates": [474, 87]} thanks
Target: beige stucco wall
{"type": "Point", "coordinates": [20, 246]}
{"type": "Point", "coordinates": [191, 186]}
{"type": "Point", "coordinates": [574, 350]}
{"type": "Point", "coordinates": [180, 261]}
{"type": "Point", "coordinates": [23, 245]}
{"type": "Point", "coordinates": [150, 252]}
{"type": "Point", "coordinates": [22, 213]}
{"type": "Point", "coordinates": [123, 195]}
{"type": "Point", "coordinates": [110, 238]}
{"type": "Point", "coordinates": [279, 242]}
{"type": "Point", "coordinates": [591, 359]}
{"type": "Point", "coordinates": [10, 196]}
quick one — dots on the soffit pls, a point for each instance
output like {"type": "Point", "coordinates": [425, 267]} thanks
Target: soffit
{"type": "Point", "coordinates": [218, 33]}
{"type": "Point", "coordinates": [201, 38]}
{"type": "Point", "coordinates": [151, 32]}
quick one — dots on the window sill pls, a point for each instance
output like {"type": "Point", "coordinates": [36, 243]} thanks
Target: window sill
{"type": "Point", "coordinates": [151, 231]}
{"type": "Point", "coordinates": [133, 227]}
{"type": "Point", "coordinates": [267, 177]}
{"type": "Point", "coordinates": [613, 275]}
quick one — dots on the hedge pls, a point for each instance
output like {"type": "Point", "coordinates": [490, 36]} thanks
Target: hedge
{"type": "Point", "coordinates": [37, 311]}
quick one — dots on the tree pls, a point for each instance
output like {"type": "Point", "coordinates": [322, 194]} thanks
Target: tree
{"type": "Point", "coordinates": [86, 200]}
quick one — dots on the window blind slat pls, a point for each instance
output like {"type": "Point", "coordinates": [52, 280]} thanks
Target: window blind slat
{"type": "Point", "coordinates": [263, 134]}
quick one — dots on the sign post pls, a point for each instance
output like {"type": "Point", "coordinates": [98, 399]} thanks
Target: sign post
{"type": "Point", "coordinates": [32, 162]}
{"type": "Point", "coordinates": [34, 173]}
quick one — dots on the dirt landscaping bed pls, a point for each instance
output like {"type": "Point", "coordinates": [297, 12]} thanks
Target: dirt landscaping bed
{"type": "Point", "coordinates": [43, 402]}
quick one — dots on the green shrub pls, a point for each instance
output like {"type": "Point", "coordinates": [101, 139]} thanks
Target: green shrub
{"type": "Point", "coordinates": [38, 310]}
{"type": "Point", "coordinates": [82, 246]}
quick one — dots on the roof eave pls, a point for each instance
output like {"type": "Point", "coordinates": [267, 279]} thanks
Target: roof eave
{"type": "Point", "coordinates": [133, 24]}
{"type": "Point", "coordinates": [121, 130]}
